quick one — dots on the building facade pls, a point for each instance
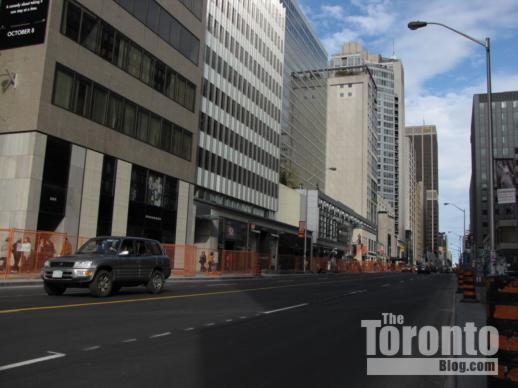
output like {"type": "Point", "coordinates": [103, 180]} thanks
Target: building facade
{"type": "Point", "coordinates": [352, 140]}
{"type": "Point", "coordinates": [99, 133]}
{"type": "Point", "coordinates": [303, 118]}
{"type": "Point", "coordinates": [239, 147]}
{"type": "Point", "coordinates": [389, 78]}
{"type": "Point", "coordinates": [424, 139]}
{"type": "Point", "coordinates": [505, 152]}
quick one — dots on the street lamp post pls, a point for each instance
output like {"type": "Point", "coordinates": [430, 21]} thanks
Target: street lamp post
{"type": "Point", "coordinates": [464, 227]}
{"type": "Point", "coordinates": [414, 25]}
{"type": "Point", "coordinates": [306, 219]}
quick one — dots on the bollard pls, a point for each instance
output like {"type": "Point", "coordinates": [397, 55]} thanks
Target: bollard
{"type": "Point", "coordinates": [468, 288]}
{"type": "Point", "coordinates": [502, 299]}
{"type": "Point", "coordinates": [460, 282]}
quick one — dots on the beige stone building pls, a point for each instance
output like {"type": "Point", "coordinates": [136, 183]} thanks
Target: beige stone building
{"type": "Point", "coordinates": [98, 135]}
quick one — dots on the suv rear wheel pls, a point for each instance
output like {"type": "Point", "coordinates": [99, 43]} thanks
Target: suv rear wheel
{"type": "Point", "coordinates": [156, 282]}
{"type": "Point", "coordinates": [102, 284]}
{"type": "Point", "coordinates": [53, 289]}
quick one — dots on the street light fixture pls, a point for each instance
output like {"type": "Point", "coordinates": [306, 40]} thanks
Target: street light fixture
{"type": "Point", "coordinates": [414, 25]}
{"type": "Point", "coordinates": [464, 227]}
{"type": "Point", "coordinates": [306, 219]}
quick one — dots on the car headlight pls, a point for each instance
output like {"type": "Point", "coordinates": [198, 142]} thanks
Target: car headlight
{"type": "Point", "coordinates": [83, 264]}
{"type": "Point", "coordinates": [46, 264]}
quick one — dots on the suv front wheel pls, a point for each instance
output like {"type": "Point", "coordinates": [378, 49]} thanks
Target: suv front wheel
{"type": "Point", "coordinates": [156, 282]}
{"type": "Point", "coordinates": [102, 284]}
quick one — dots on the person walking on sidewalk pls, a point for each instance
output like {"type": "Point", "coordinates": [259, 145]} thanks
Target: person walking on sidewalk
{"type": "Point", "coordinates": [202, 261]}
{"type": "Point", "coordinates": [211, 261]}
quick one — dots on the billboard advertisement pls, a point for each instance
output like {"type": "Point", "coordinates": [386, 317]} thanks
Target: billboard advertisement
{"type": "Point", "coordinates": [505, 181]}
{"type": "Point", "coordinates": [22, 23]}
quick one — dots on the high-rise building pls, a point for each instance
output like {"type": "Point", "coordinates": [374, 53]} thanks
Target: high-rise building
{"type": "Point", "coordinates": [505, 152]}
{"type": "Point", "coordinates": [424, 139]}
{"type": "Point", "coordinates": [240, 123]}
{"type": "Point", "coordinates": [408, 181]}
{"type": "Point", "coordinates": [99, 131]}
{"type": "Point", "coordinates": [352, 143]}
{"type": "Point", "coordinates": [389, 78]}
{"type": "Point", "coordinates": [303, 119]}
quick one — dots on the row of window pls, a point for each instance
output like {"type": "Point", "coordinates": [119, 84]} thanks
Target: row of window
{"type": "Point", "coordinates": [195, 6]}
{"type": "Point", "coordinates": [246, 58]}
{"type": "Point", "coordinates": [96, 35]}
{"type": "Point", "coordinates": [162, 23]}
{"type": "Point", "coordinates": [234, 16]}
{"type": "Point", "coordinates": [239, 112]}
{"type": "Point", "coordinates": [86, 98]}
{"type": "Point", "coordinates": [225, 168]}
{"type": "Point", "coordinates": [237, 142]}
{"type": "Point", "coordinates": [233, 77]}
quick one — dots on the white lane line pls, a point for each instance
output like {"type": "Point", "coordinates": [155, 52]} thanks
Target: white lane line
{"type": "Point", "coordinates": [228, 320]}
{"type": "Point", "coordinates": [355, 292]}
{"type": "Point", "coordinates": [52, 356]}
{"type": "Point", "coordinates": [285, 308]}
{"type": "Point", "coordinates": [221, 284]}
{"type": "Point", "coordinates": [91, 348]}
{"type": "Point", "coordinates": [243, 317]}
{"type": "Point", "coordinates": [127, 341]}
{"type": "Point", "coordinates": [210, 324]}
{"type": "Point", "coordinates": [160, 334]}
{"type": "Point", "coordinates": [189, 329]}
{"type": "Point", "coordinates": [385, 285]}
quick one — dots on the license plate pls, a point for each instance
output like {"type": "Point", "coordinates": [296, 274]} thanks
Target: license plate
{"type": "Point", "coordinates": [57, 274]}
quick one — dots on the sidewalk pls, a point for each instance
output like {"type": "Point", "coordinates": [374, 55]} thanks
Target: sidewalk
{"type": "Point", "coordinates": [471, 312]}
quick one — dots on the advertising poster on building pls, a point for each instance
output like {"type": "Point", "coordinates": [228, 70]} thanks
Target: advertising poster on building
{"type": "Point", "coordinates": [22, 23]}
{"type": "Point", "coordinates": [505, 181]}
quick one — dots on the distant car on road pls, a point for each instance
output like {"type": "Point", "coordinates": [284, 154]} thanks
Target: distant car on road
{"type": "Point", "coordinates": [105, 264]}
{"type": "Point", "coordinates": [423, 268]}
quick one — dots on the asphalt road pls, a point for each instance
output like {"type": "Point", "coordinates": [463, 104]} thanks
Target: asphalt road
{"type": "Point", "coordinates": [289, 331]}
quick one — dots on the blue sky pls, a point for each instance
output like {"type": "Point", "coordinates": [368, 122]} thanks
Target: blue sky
{"type": "Point", "coordinates": [442, 69]}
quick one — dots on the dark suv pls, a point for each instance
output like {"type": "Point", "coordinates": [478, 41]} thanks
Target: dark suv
{"type": "Point", "coordinates": [105, 264]}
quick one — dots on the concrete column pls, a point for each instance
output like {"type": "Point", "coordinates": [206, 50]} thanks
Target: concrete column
{"type": "Point", "coordinates": [91, 192]}
{"type": "Point", "coordinates": [186, 214]}
{"type": "Point", "coordinates": [70, 223]}
{"type": "Point", "coordinates": [121, 198]}
{"type": "Point", "coordinates": [22, 156]}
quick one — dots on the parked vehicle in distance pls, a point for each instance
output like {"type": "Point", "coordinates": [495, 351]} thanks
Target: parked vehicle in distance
{"type": "Point", "coordinates": [423, 268]}
{"type": "Point", "coordinates": [105, 264]}
{"type": "Point", "coordinates": [406, 268]}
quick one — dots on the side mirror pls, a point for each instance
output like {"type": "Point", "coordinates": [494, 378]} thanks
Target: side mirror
{"type": "Point", "coordinates": [124, 253]}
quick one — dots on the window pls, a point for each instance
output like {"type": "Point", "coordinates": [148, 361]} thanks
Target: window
{"type": "Point", "coordinates": [114, 112]}
{"type": "Point", "coordinates": [89, 28]}
{"type": "Point", "coordinates": [154, 131]}
{"type": "Point", "coordinates": [166, 136]}
{"type": "Point", "coordinates": [177, 140]}
{"type": "Point", "coordinates": [63, 87]}
{"type": "Point", "coordinates": [107, 42]}
{"type": "Point", "coordinates": [99, 103]}
{"type": "Point", "coordinates": [153, 14]}
{"type": "Point", "coordinates": [82, 96]}
{"type": "Point", "coordinates": [159, 76]}
{"type": "Point", "coordinates": [71, 21]}
{"type": "Point", "coordinates": [180, 90]}
{"type": "Point", "coordinates": [130, 114]}
{"type": "Point", "coordinates": [169, 84]}
{"type": "Point", "coordinates": [147, 68]}
{"type": "Point", "coordinates": [142, 124]}
{"type": "Point", "coordinates": [134, 60]}
{"type": "Point", "coordinates": [120, 52]}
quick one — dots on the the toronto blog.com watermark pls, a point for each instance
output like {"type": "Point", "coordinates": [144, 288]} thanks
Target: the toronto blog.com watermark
{"type": "Point", "coordinates": [394, 348]}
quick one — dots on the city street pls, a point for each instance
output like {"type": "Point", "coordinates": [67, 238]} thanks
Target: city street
{"type": "Point", "coordinates": [283, 331]}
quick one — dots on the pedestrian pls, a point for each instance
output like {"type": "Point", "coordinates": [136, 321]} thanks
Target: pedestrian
{"type": "Point", "coordinates": [211, 261]}
{"type": "Point", "coordinates": [202, 261]}
{"type": "Point", "coordinates": [17, 254]}
{"type": "Point", "coordinates": [26, 250]}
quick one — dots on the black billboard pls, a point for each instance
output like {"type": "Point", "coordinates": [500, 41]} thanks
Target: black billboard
{"type": "Point", "coordinates": [22, 23]}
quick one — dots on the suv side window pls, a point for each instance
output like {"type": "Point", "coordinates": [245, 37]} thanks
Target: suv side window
{"type": "Point", "coordinates": [142, 248]}
{"type": "Point", "coordinates": [128, 245]}
{"type": "Point", "coordinates": [154, 248]}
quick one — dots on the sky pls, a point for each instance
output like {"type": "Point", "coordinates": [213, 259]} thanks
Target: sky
{"type": "Point", "coordinates": [442, 70]}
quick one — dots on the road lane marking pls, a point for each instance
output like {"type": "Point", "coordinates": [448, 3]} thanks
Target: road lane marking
{"type": "Point", "coordinates": [52, 356]}
{"type": "Point", "coordinates": [285, 308]}
{"type": "Point", "coordinates": [91, 348]}
{"type": "Point", "coordinates": [385, 285]}
{"type": "Point", "coordinates": [243, 317]}
{"type": "Point", "coordinates": [160, 335]}
{"type": "Point", "coordinates": [210, 324]}
{"type": "Point", "coordinates": [189, 329]}
{"type": "Point", "coordinates": [221, 284]}
{"type": "Point", "coordinates": [183, 296]}
{"type": "Point", "coordinates": [228, 320]}
{"type": "Point", "coordinates": [355, 292]}
{"type": "Point", "coordinates": [127, 341]}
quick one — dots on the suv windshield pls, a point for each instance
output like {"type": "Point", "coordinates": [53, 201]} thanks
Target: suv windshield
{"type": "Point", "coordinates": [101, 246]}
